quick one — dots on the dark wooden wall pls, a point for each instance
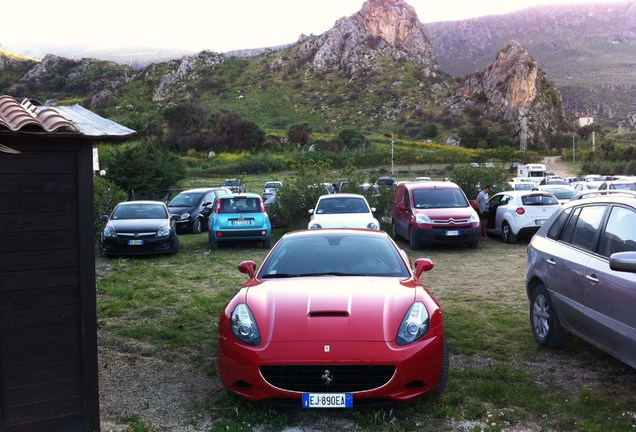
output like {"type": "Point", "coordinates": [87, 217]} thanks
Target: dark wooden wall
{"type": "Point", "coordinates": [48, 336]}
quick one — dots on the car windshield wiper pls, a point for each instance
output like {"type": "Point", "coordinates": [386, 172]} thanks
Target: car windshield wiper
{"type": "Point", "coordinates": [288, 275]}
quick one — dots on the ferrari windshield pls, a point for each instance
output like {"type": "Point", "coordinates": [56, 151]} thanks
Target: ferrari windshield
{"type": "Point", "coordinates": [334, 254]}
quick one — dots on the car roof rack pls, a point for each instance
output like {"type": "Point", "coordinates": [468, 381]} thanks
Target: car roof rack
{"type": "Point", "coordinates": [605, 192]}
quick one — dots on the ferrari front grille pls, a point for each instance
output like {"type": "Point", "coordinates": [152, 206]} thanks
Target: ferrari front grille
{"type": "Point", "coordinates": [328, 378]}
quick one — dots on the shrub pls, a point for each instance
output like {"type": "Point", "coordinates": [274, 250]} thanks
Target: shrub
{"type": "Point", "coordinates": [106, 196]}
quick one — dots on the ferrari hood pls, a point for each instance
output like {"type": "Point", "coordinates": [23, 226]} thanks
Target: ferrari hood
{"type": "Point", "coordinates": [330, 308]}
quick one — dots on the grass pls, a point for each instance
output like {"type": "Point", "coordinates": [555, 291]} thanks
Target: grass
{"type": "Point", "coordinates": [499, 378]}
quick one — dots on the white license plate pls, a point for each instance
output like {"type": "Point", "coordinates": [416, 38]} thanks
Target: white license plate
{"type": "Point", "coordinates": [240, 222]}
{"type": "Point", "coordinates": [452, 233]}
{"type": "Point", "coordinates": [539, 221]}
{"type": "Point", "coordinates": [327, 400]}
{"type": "Point", "coordinates": [135, 242]}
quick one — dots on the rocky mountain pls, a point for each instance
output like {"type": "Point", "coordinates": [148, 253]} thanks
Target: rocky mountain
{"type": "Point", "coordinates": [376, 70]}
{"type": "Point", "coordinates": [388, 28]}
{"type": "Point", "coordinates": [515, 91]}
{"type": "Point", "coordinates": [586, 50]}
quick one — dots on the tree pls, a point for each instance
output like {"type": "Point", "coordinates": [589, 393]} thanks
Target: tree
{"type": "Point", "coordinates": [145, 171]}
{"type": "Point", "coordinates": [349, 139]}
{"type": "Point", "coordinates": [299, 134]}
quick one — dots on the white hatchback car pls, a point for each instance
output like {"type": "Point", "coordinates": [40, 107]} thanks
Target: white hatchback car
{"type": "Point", "coordinates": [513, 214]}
{"type": "Point", "coordinates": [342, 210]}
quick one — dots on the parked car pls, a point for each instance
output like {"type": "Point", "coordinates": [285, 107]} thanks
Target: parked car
{"type": "Point", "coordinates": [621, 183]}
{"type": "Point", "coordinates": [582, 186]}
{"type": "Point", "coordinates": [521, 185]}
{"type": "Point", "coordinates": [333, 318]}
{"type": "Point", "coordinates": [194, 207]}
{"type": "Point", "coordinates": [138, 228]}
{"type": "Point", "coordinates": [553, 181]}
{"type": "Point", "coordinates": [513, 214]}
{"type": "Point", "coordinates": [428, 213]}
{"type": "Point", "coordinates": [386, 181]}
{"type": "Point", "coordinates": [581, 275]}
{"type": "Point", "coordinates": [563, 193]}
{"type": "Point", "coordinates": [234, 185]}
{"type": "Point", "coordinates": [270, 188]}
{"type": "Point", "coordinates": [239, 217]}
{"type": "Point", "coordinates": [269, 205]}
{"type": "Point", "coordinates": [342, 210]}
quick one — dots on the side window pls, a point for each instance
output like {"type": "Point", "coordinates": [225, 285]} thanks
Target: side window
{"type": "Point", "coordinates": [556, 226]}
{"type": "Point", "coordinates": [407, 199]}
{"type": "Point", "coordinates": [620, 232]}
{"type": "Point", "coordinates": [582, 228]}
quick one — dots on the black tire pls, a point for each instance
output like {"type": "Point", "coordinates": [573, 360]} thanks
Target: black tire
{"type": "Point", "coordinates": [413, 243]}
{"type": "Point", "coordinates": [214, 245]}
{"type": "Point", "coordinates": [544, 321]}
{"type": "Point", "coordinates": [267, 243]}
{"type": "Point", "coordinates": [444, 380]}
{"type": "Point", "coordinates": [175, 245]}
{"type": "Point", "coordinates": [473, 244]}
{"type": "Point", "coordinates": [196, 226]}
{"type": "Point", "coordinates": [394, 233]}
{"type": "Point", "coordinates": [506, 234]}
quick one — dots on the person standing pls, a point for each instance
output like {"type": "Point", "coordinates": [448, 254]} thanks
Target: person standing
{"type": "Point", "coordinates": [482, 208]}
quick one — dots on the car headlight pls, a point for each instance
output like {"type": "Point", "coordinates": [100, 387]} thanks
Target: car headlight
{"type": "Point", "coordinates": [414, 325]}
{"type": "Point", "coordinates": [373, 226]}
{"type": "Point", "coordinates": [315, 225]}
{"type": "Point", "coordinates": [474, 217]}
{"type": "Point", "coordinates": [184, 216]}
{"type": "Point", "coordinates": [164, 231]}
{"type": "Point", "coordinates": [422, 219]}
{"type": "Point", "coordinates": [109, 232]}
{"type": "Point", "coordinates": [244, 325]}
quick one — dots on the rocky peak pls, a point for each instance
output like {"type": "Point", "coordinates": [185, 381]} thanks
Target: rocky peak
{"type": "Point", "coordinates": [381, 28]}
{"type": "Point", "coordinates": [514, 90]}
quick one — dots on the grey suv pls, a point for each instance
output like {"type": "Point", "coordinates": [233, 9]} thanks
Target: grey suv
{"type": "Point", "coordinates": [581, 274]}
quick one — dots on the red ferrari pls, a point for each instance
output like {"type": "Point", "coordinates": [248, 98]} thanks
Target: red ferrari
{"type": "Point", "coordinates": [333, 318]}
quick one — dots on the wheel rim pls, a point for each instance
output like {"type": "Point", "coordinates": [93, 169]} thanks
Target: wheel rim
{"type": "Point", "coordinates": [505, 232]}
{"type": "Point", "coordinates": [541, 316]}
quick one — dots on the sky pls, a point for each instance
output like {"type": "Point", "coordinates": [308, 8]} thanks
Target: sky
{"type": "Point", "coordinates": [215, 25]}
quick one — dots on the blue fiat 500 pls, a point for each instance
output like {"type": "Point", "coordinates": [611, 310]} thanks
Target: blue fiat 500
{"type": "Point", "coordinates": [239, 217]}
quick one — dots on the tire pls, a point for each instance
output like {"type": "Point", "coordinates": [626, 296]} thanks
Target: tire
{"type": "Point", "coordinates": [506, 234]}
{"type": "Point", "coordinates": [544, 321]}
{"type": "Point", "coordinates": [196, 226]}
{"type": "Point", "coordinates": [267, 243]}
{"type": "Point", "coordinates": [394, 233]}
{"type": "Point", "coordinates": [175, 245]}
{"type": "Point", "coordinates": [214, 245]}
{"type": "Point", "coordinates": [444, 380]}
{"type": "Point", "coordinates": [413, 243]}
{"type": "Point", "coordinates": [474, 244]}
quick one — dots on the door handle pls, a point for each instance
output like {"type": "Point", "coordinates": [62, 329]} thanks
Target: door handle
{"type": "Point", "coordinates": [591, 278]}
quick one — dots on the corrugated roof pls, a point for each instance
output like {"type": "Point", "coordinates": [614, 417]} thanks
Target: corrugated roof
{"type": "Point", "coordinates": [73, 119]}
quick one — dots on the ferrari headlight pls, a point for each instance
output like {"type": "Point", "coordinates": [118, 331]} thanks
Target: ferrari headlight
{"type": "Point", "coordinates": [414, 325]}
{"type": "Point", "coordinates": [164, 231]}
{"type": "Point", "coordinates": [244, 325]}
{"type": "Point", "coordinates": [109, 232]}
{"type": "Point", "coordinates": [422, 219]}
{"type": "Point", "coordinates": [315, 225]}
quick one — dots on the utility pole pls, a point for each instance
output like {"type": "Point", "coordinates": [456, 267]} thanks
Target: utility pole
{"type": "Point", "coordinates": [392, 142]}
{"type": "Point", "coordinates": [573, 150]}
{"type": "Point", "coordinates": [523, 142]}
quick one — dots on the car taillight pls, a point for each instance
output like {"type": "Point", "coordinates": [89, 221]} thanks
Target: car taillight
{"type": "Point", "coordinates": [520, 210]}
{"type": "Point", "coordinates": [262, 207]}
{"type": "Point", "coordinates": [217, 210]}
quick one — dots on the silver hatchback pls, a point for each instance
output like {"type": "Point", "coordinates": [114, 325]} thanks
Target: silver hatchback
{"type": "Point", "coordinates": [581, 275]}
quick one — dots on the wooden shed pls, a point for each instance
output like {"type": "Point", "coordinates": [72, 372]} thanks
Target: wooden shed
{"type": "Point", "coordinates": [48, 330]}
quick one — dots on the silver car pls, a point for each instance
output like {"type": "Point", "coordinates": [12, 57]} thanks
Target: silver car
{"type": "Point", "coordinates": [581, 275]}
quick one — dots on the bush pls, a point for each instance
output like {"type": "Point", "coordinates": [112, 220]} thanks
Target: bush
{"type": "Point", "coordinates": [106, 195]}
{"type": "Point", "coordinates": [472, 179]}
